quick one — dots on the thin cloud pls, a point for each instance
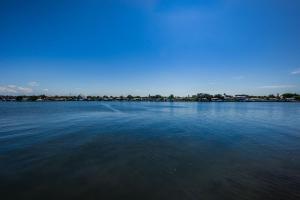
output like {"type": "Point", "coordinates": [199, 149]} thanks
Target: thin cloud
{"type": "Point", "coordinates": [276, 86]}
{"type": "Point", "coordinates": [24, 90]}
{"type": "Point", "coordinates": [33, 84]}
{"type": "Point", "coordinates": [46, 89]}
{"type": "Point", "coordinates": [297, 71]}
{"type": "Point", "coordinates": [12, 86]}
{"type": "Point", "coordinates": [13, 89]}
{"type": "Point", "coordinates": [7, 90]}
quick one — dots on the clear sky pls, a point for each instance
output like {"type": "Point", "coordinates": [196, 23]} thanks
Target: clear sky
{"type": "Point", "coordinates": [141, 47]}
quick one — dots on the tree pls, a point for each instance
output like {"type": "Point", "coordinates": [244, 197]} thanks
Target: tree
{"type": "Point", "coordinates": [19, 98]}
{"type": "Point", "coordinates": [171, 97]}
{"type": "Point", "coordinates": [204, 96]}
{"type": "Point", "coordinates": [219, 96]}
{"type": "Point", "coordinates": [33, 98]}
{"type": "Point", "coordinates": [271, 96]}
{"type": "Point", "coordinates": [289, 95]}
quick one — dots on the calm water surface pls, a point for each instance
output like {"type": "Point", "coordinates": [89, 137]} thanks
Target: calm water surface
{"type": "Point", "coordinates": [118, 150]}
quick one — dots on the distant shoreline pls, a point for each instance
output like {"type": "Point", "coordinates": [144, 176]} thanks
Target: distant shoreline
{"type": "Point", "coordinates": [132, 101]}
{"type": "Point", "coordinates": [154, 101]}
{"type": "Point", "coordinates": [200, 97]}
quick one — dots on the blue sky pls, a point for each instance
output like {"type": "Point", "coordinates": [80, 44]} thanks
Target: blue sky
{"type": "Point", "coordinates": [121, 47]}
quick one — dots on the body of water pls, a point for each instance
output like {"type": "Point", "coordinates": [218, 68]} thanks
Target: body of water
{"type": "Point", "coordinates": [147, 150]}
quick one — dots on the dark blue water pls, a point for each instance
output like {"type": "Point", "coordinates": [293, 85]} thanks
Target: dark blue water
{"type": "Point", "coordinates": [115, 150]}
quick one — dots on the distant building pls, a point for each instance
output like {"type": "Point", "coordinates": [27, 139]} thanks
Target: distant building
{"type": "Point", "coordinates": [241, 97]}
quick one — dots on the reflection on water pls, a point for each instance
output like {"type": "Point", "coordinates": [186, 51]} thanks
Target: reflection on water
{"type": "Point", "coordinates": [111, 150]}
